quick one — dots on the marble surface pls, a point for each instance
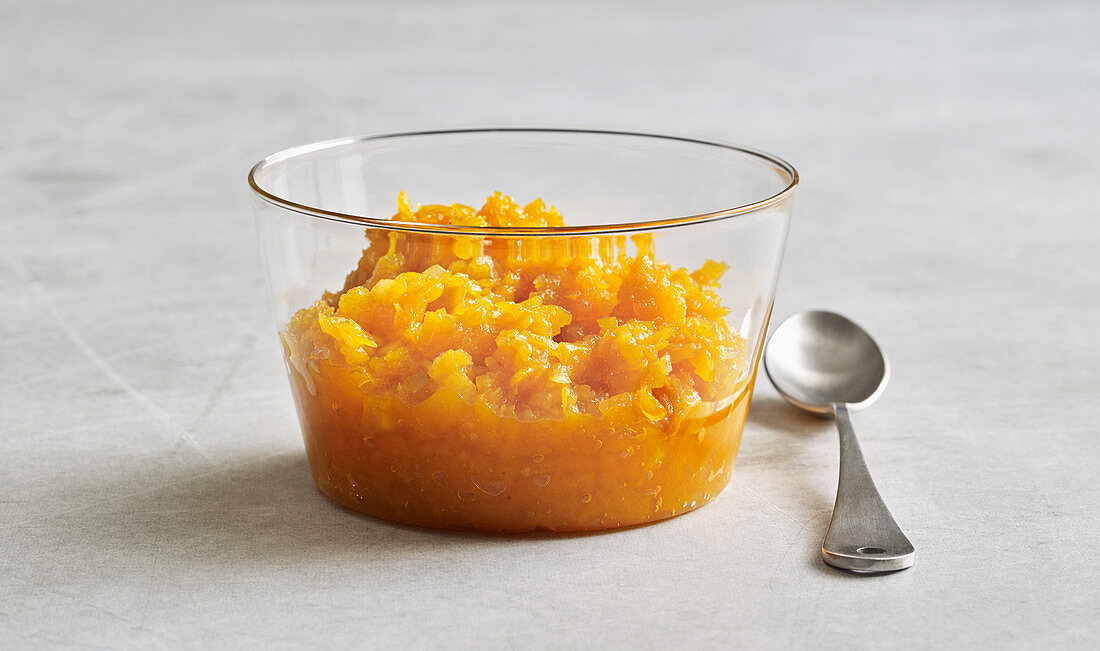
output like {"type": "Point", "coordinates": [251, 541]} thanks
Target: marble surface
{"type": "Point", "coordinates": [153, 486]}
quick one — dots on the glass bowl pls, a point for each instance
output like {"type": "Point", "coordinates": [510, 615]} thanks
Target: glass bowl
{"type": "Point", "coordinates": [492, 367]}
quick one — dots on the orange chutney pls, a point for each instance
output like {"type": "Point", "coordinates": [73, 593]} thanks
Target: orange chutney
{"type": "Point", "coordinates": [518, 383]}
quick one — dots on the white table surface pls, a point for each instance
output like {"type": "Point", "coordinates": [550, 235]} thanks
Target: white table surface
{"type": "Point", "coordinates": [153, 485]}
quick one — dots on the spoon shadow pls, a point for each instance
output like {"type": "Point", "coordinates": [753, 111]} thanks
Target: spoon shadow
{"type": "Point", "coordinates": [789, 442]}
{"type": "Point", "coordinates": [779, 416]}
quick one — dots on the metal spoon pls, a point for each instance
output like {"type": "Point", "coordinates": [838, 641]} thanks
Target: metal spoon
{"type": "Point", "coordinates": [824, 363]}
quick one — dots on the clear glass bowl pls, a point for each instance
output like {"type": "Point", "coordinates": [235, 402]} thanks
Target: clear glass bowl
{"type": "Point", "coordinates": [510, 373]}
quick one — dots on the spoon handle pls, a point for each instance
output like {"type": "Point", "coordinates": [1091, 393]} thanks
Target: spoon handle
{"type": "Point", "coordinates": [862, 536]}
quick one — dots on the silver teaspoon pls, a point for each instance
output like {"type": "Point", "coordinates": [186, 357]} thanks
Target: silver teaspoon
{"type": "Point", "coordinates": [824, 363]}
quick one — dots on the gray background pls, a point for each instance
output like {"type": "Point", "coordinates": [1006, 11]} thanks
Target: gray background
{"type": "Point", "coordinates": [153, 486]}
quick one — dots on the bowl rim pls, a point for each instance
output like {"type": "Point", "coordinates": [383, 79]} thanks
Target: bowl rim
{"type": "Point", "coordinates": [600, 229]}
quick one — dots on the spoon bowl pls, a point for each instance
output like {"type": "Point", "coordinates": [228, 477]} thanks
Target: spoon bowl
{"type": "Point", "coordinates": [818, 358]}
{"type": "Point", "coordinates": [826, 364]}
